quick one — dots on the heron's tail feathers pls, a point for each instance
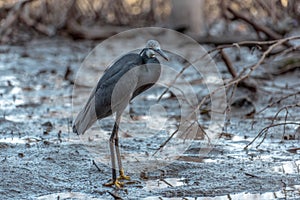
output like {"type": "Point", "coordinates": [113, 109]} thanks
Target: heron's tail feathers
{"type": "Point", "coordinates": [86, 117]}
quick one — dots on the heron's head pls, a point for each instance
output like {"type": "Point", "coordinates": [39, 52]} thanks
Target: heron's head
{"type": "Point", "coordinates": [153, 47]}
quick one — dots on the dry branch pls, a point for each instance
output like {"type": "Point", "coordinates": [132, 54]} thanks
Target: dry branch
{"type": "Point", "coordinates": [241, 77]}
{"type": "Point", "coordinates": [11, 19]}
{"type": "Point", "coordinates": [273, 35]}
{"type": "Point", "coordinates": [265, 129]}
{"type": "Point", "coordinates": [228, 64]}
{"type": "Point", "coordinates": [263, 132]}
{"type": "Point", "coordinates": [231, 70]}
{"type": "Point", "coordinates": [80, 18]}
{"type": "Point", "coordinates": [257, 44]}
{"type": "Point", "coordinates": [260, 61]}
{"type": "Point", "coordinates": [278, 101]}
{"type": "Point", "coordinates": [93, 33]}
{"type": "Point", "coordinates": [225, 39]}
{"type": "Point", "coordinates": [25, 17]}
{"type": "Point", "coordinates": [238, 79]}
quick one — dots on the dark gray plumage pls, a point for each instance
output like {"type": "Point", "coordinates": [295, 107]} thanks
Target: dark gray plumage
{"type": "Point", "coordinates": [129, 76]}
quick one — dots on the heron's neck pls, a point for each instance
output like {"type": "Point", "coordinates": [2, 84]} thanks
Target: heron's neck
{"type": "Point", "coordinates": [145, 55]}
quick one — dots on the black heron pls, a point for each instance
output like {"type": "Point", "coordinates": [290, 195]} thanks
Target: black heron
{"type": "Point", "coordinates": [141, 71]}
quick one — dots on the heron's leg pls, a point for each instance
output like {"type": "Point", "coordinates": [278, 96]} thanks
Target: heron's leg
{"type": "Point", "coordinates": [113, 159]}
{"type": "Point", "coordinates": [116, 138]}
{"type": "Point", "coordinates": [121, 170]}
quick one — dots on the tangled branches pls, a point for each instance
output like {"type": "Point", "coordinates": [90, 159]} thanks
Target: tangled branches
{"type": "Point", "coordinates": [88, 19]}
{"type": "Point", "coordinates": [244, 75]}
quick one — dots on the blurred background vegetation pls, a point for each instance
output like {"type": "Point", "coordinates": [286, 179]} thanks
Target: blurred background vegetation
{"type": "Point", "coordinates": [99, 19]}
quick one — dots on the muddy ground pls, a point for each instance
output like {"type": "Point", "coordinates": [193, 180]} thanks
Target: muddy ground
{"type": "Point", "coordinates": [42, 159]}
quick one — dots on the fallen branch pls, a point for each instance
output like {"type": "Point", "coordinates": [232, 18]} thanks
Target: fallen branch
{"type": "Point", "coordinates": [114, 195]}
{"type": "Point", "coordinates": [92, 33]}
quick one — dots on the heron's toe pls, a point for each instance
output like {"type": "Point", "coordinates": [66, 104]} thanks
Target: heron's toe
{"type": "Point", "coordinates": [115, 183]}
{"type": "Point", "coordinates": [123, 176]}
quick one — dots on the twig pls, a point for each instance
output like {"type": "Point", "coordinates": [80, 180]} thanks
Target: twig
{"type": "Point", "coordinates": [283, 108]}
{"type": "Point", "coordinates": [228, 64]}
{"type": "Point", "coordinates": [289, 50]}
{"type": "Point", "coordinates": [204, 132]}
{"type": "Point", "coordinates": [285, 118]}
{"type": "Point", "coordinates": [267, 7]}
{"type": "Point", "coordinates": [171, 136]}
{"type": "Point", "coordinates": [251, 175]}
{"type": "Point", "coordinates": [226, 39]}
{"type": "Point", "coordinates": [275, 116]}
{"type": "Point", "coordinates": [166, 182]}
{"type": "Point", "coordinates": [278, 101]}
{"type": "Point", "coordinates": [163, 144]}
{"type": "Point", "coordinates": [172, 83]}
{"type": "Point", "coordinates": [230, 99]}
{"type": "Point", "coordinates": [94, 163]}
{"type": "Point", "coordinates": [266, 129]}
{"type": "Point", "coordinates": [115, 196]}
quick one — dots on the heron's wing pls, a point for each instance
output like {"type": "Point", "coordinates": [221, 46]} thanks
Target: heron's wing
{"type": "Point", "coordinates": [87, 115]}
{"type": "Point", "coordinates": [115, 88]}
{"type": "Point", "coordinates": [119, 68]}
{"type": "Point", "coordinates": [99, 103]}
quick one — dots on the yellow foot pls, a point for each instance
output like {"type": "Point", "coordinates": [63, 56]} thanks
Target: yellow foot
{"type": "Point", "coordinates": [123, 176]}
{"type": "Point", "coordinates": [115, 183]}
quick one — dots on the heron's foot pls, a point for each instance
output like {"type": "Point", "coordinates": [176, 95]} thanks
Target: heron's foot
{"type": "Point", "coordinates": [123, 176]}
{"type": "Point", "coordinates": [115, 183]}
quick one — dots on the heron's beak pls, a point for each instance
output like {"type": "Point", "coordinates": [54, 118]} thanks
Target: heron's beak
{"type": "Point", "coordinates": [160, 52]}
